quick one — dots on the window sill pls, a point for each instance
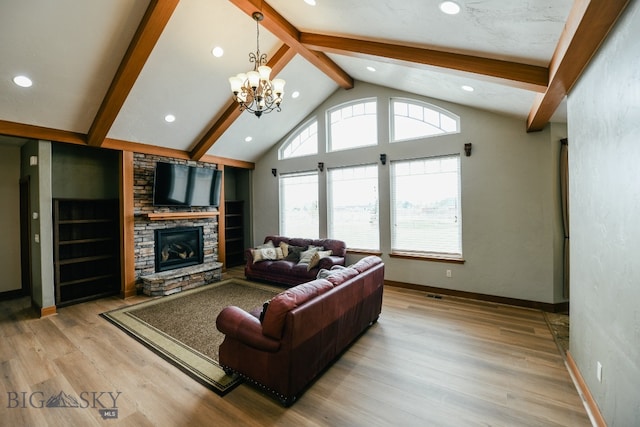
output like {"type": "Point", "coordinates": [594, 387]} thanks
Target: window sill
{"type": "Point", "coordinates": [427, 257]}
{"type": "Point", "coordinates": [364, 252]}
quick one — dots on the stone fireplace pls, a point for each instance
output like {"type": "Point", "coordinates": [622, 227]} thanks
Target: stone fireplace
{"type": "Point", "coordinates": [174, 278]}
{"type": "Point", "coordinates": [178, 247]}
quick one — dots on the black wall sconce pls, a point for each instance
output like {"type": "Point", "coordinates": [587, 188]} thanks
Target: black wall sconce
{"type": "Point", "coordinates": [383, 159]}
{"type": "Point", "coordinates": [274, 171]}
{"type": "Point", "coordinates": [321, 166]}
{"type": "Point", "coordinates": [467, 149]}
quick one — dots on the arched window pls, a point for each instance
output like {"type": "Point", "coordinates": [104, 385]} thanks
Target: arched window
{"type": "Point", "coordinates": [303, 142]}
{"type": "Point", "coordinates": [352, 125]}
{"type": "Point", "coordinates": [411, 119]}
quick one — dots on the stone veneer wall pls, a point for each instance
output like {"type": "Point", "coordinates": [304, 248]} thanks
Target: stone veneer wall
{"type": "Point", "coordinates": [143, 171]}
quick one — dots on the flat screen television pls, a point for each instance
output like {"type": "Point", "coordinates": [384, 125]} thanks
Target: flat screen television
{"type": "Point", "coordinates": [183, 185]}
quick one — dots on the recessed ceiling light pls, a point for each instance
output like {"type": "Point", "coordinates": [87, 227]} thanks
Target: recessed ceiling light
{"type": "Point", "coordinates": [169, 118]}
{"type": "Point", "coordinates": [248, 139]}
{"type": "Point", "coordinates": [370, 68]}
{"type": "Point", "coordinates": [22, 81]}
{"type": "Point", "coordinates": [467, 88]}
{"type": "Point", "coordinates": [217, 51]}
{"type": "Point", "coordinates": [295, 94]}
{"type": "Point", "coordinates": [450, 7]}
{"type": "Point", "coordinates": [310, 2]}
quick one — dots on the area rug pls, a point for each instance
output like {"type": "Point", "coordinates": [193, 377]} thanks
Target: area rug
{"type": "Point", "coordinates": [182, 327]}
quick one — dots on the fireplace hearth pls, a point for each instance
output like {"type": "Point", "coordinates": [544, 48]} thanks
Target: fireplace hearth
{"type": "Point", "coordinates": [178, 247]}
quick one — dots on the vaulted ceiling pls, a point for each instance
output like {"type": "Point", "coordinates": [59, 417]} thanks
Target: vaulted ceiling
{"type": "Point", "coordinates": [106, 72]}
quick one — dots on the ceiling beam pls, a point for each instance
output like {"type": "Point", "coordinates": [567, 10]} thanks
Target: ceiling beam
{"type": "Point", "coordinates": [41, 133]}
{"type": "Point", "coordinates": [277, 63]}
{"type": "Point", "coordinates": [153, 23]}
{"type": "Point", "coordinates": [513, 74]}
{"type": "Point", "coordinates": [285, 31]}
{"type": "Point", "coordinates": [587, 26]}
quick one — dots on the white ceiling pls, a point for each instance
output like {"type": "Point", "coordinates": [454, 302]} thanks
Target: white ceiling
{"type": "Point", "coordinates": [71, 49]}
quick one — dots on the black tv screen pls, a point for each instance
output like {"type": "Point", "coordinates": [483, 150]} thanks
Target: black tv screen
{"type": "Point", "coordinates": [183, 185]}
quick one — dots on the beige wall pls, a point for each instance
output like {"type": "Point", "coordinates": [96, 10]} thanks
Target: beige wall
{"type": "Point", "coordinates": [512, 240]}
{"type": "Point", "coordinates": [604, 187]}
{"type": "Point", "coordinates": [10, 218]}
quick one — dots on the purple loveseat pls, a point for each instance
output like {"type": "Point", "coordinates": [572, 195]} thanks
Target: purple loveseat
{"type": "Point", "coordinates": [288, 270]}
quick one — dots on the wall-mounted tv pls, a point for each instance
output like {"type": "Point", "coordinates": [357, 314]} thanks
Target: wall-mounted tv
{"type": "Point", "coordinates": [183, 185]}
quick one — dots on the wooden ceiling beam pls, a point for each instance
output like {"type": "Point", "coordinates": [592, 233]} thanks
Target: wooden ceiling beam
{"type": "Point", "coordinates": [587, 26]}
{"type": "Point", "coordinates": [285, 31]}
{"type": "Point", "coordinates": [42, 133]}
{"type": "Point", "coordinates": [153, 23]}
{"type": "Point", "coordinates": [514, 74]}
{"type": "Point", "coordinates": [231, 112]}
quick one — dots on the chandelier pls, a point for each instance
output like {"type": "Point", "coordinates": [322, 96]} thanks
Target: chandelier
{"type": "Point", "coordinates": [253, 91]}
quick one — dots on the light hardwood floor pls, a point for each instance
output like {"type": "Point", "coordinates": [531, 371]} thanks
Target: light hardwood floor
{"type": "Point", "coordinates": [427, 362]}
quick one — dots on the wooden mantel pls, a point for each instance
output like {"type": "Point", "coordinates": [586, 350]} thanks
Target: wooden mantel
{"type": "Point", "coordinates": [162, 216]}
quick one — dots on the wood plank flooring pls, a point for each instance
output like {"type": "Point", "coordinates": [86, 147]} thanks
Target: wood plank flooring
{"type": "Point", "coordinates": [427, 362]}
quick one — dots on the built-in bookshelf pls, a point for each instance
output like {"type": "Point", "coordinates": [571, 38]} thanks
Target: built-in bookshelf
{"type": "Point", "coordinates": [234, 232]}
{"type": "Point", "coordinates": [86, 249]}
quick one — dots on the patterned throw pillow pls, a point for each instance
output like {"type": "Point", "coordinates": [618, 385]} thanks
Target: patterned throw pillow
{"type": "Point", "coordinates": [316, 257]}
{"type": "Point", "coordinates": [269, 244]}
{"type": "Point", "coordinates": [265, 254]}
{"type": "Point", "coordinates": [305, 256]}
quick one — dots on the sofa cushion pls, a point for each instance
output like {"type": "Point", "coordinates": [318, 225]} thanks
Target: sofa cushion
{"type": "Point", "coordinates": [284, 302]}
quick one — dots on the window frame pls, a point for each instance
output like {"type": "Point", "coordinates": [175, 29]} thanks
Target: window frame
{"type": "Point", "coordinates": [425, 105]}
{"type": "Point", "coordinates": [296, 134]}
{"type": "Point", "coordinates": [452, 256]}
{"type": "Point", "coordinates": [330, 213]}
{"type": "Point", "coordinates": [281, 218]}
{"type": "Point", "coordinates": [342, 106]}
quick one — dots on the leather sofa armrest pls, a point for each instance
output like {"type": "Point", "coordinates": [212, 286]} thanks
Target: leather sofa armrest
{"type": "Point", "coordinates": [330, 261]}
{"type": "Point", "coordinates": [248, 255]}
{"type": "Point", "coordinates": [242, 326]}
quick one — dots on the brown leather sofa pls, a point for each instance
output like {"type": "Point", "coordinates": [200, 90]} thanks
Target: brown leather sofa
{"type": "Point", "coordinates": [304, 329]}
{"type": "Point", "coordinates": [288, 270]}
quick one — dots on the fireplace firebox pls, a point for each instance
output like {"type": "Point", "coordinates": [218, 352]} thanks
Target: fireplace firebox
{"type": "Point", "coordinates": [178, 247]}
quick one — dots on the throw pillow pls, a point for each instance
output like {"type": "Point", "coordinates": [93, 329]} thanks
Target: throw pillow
{"type": "Point", "coordinates": [269, 244]}
{"type": "Point", "coordinates": [285, 249]}
{"type": "Point", "coordinates": [265, 254]}
{"type": "Point", "coordinates": [323, 273]}
{"type": "Point", "coordinates": [316, 257]}
{"type": "Point", "coordinates": [305, 256]}
{"type": "Point", "coordinates": [294, 253]}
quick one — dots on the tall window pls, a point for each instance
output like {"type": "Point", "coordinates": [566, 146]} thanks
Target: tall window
{"type": "Point", "coordinates": [299, 205]}
{"type": "Point", "coordinates": [352, 125]}
{"type": "Point", "coordinates": [303, 142]}
{"type": "Point", "coordinates": [415, 119]}
{"type": "Point", "coordinates": [353, 206]}
{"type": "Point", "coordinates": [425, 206]}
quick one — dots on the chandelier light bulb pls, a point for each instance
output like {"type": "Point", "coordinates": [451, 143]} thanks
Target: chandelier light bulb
{"type": "Point", "coordinates": [236, 84]}
{"type": "Point", "coordinates": [278, 87]}
{"type": "Point", "coordinates": [254, 79]}
{"type": "Point", "coordinates": [264, 71]}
